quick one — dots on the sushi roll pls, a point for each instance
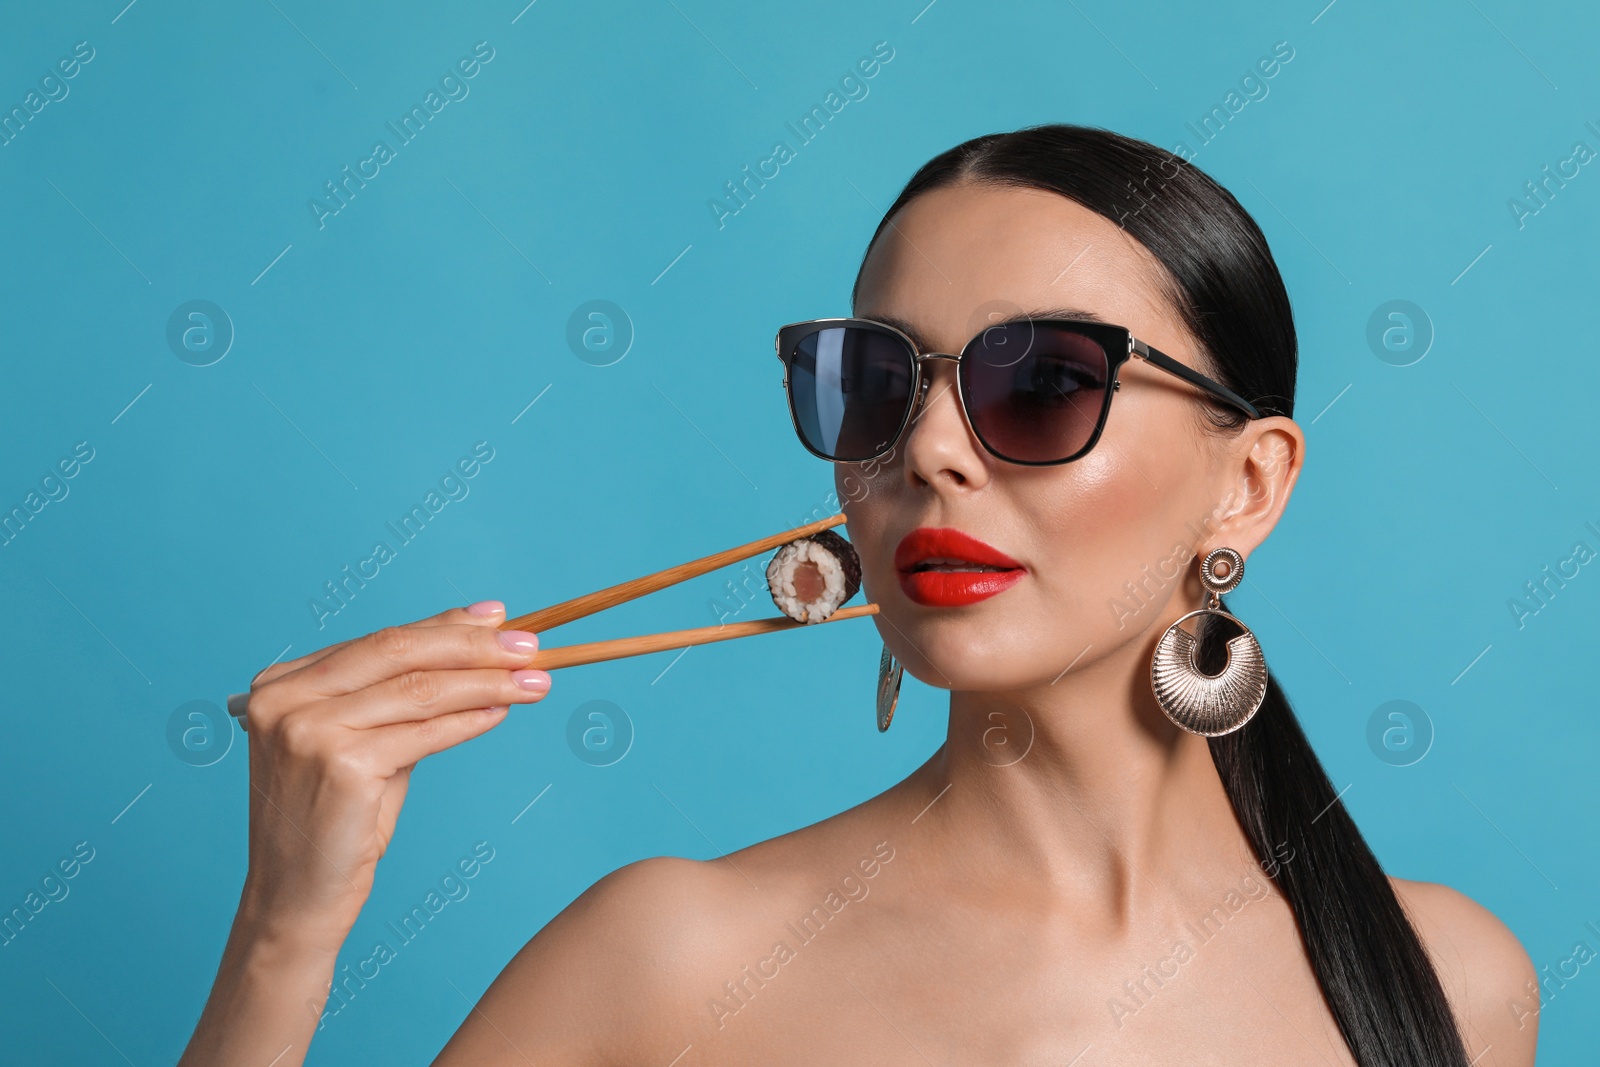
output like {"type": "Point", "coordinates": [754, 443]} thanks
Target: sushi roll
{"type": "Point", "coordinates": [811, 577]}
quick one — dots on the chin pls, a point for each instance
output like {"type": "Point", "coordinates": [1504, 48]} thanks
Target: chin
{"type": "Point", "coordinates": [975, 675]}
{"type": "Point", "coordinates": [972, 654]}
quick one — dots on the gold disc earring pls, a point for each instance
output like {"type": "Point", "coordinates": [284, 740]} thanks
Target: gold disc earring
{"type": "Point", "coordinates": [1210, 704]}
{"type": "Point", "coordinates": [889, 673]}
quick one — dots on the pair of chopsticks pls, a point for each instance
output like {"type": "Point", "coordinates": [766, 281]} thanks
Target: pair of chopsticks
{"type": "Point", "coordinates": [596, 651]}
{"type": "Point", "coordinates": [588, 604]}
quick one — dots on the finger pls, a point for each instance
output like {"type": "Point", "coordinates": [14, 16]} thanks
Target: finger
{"type": "Point", "coordinates": [418, 695]}
{"type": "Point", "coordinates": [401, 650]}
{"type": "Point", "coordinates": [278, 670]}
{"type": "Point", "coordinates": [402, 744]}
{"type": "Point", "coordinates": [486, 614]}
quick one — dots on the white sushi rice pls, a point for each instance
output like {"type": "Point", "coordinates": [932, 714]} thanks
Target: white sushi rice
{"type": "Point", "coordinates": [780, 580]}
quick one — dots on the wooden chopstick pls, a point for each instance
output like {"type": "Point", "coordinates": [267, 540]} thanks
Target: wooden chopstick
{"type": "Point", "coordinates": [578, 607]}
{"type": "Point", "coordinates": [596, 651]}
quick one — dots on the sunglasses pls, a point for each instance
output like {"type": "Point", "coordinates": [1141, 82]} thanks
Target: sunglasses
{"type": "Point", "coordinates": [1035, 391]}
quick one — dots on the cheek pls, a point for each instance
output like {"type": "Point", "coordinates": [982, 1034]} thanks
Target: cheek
{"type": "Point", "coordinates": [865, 496]}
{"type": "Point", "coordinates": [1111, 522]}
{"type": "Point", "coordinates": [1117, 516]}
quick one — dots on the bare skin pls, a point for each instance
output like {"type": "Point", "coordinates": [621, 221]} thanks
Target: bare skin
{"type": "Point", "coordinates": [333, 738]}
{"type": "Point", "coordinates": [1010, 900]}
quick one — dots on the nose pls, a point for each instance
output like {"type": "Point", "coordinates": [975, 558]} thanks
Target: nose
{"type": "Point", "coordinates": [940, 448]}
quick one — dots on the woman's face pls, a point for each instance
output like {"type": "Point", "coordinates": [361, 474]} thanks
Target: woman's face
{"type": "Point", "coordinates": [1106, 540]}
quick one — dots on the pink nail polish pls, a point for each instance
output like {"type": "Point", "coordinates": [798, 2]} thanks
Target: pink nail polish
{"type": "Point", "coordinates": [532, 681]}
{"type": "Point", "coordinates": [486, 608]}
{"type": "Point", "coordinates": [518, 641]}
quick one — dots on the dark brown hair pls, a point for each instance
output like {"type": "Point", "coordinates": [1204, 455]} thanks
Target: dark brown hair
{"type": "Point", "coordinates": [1370, 963]}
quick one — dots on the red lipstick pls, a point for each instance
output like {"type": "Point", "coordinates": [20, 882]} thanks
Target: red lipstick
{"type": "Point", "coordinates": [944, 568]}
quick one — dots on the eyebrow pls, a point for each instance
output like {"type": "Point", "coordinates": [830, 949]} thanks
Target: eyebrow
{"type": "Point", "coordinates": [1037, 313]}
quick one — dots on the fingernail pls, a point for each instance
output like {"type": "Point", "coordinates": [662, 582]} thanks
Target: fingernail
{"type": "Point", "coordinates": [486, 608]}
{"type": "Point", "coordinates": [518, 641]}
{"type": "Point", "coordinates": [532, 681]}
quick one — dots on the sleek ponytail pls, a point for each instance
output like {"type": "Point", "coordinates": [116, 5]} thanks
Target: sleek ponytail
{"type": "Point", "coordinates": [1372, 967]}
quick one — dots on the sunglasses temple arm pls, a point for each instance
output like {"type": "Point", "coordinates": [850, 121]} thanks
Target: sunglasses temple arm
{"type": "Point", "coordinates": [1193, 377]}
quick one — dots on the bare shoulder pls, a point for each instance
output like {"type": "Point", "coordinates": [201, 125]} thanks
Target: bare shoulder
{"type": "Point", "coordinates": [611, 977]}
{"type": "Point", "coordinates": [1488, 976]}
{"type": "Point", "coordinates": [626, 972]}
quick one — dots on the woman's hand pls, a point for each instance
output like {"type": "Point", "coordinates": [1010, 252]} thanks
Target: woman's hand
{"type": "Point", "coordinates": [333, 738]}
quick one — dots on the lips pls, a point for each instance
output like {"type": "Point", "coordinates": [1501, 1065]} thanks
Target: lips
{"type": "Point", "coordinates": [943, 567]}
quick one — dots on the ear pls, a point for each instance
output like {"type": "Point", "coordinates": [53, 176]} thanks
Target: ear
{"type": "Point", "coordinates": [1259, 469]}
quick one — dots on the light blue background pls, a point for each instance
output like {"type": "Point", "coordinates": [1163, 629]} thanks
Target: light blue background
{"type": "Point", "coordinates": [428, 313]}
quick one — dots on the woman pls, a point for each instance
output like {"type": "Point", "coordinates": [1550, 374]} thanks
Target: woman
{"type": "Point", "coordinates": [1103, 864]}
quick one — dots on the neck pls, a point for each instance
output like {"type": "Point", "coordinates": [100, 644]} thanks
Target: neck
{"type": "Point", "coordinates": [1082, 790]}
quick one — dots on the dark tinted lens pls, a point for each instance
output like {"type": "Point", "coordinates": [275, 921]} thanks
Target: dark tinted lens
{"type": "Point", "coordinates": [1034, 392]}
{"type": "Point", "coordinates": [849, 388]}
